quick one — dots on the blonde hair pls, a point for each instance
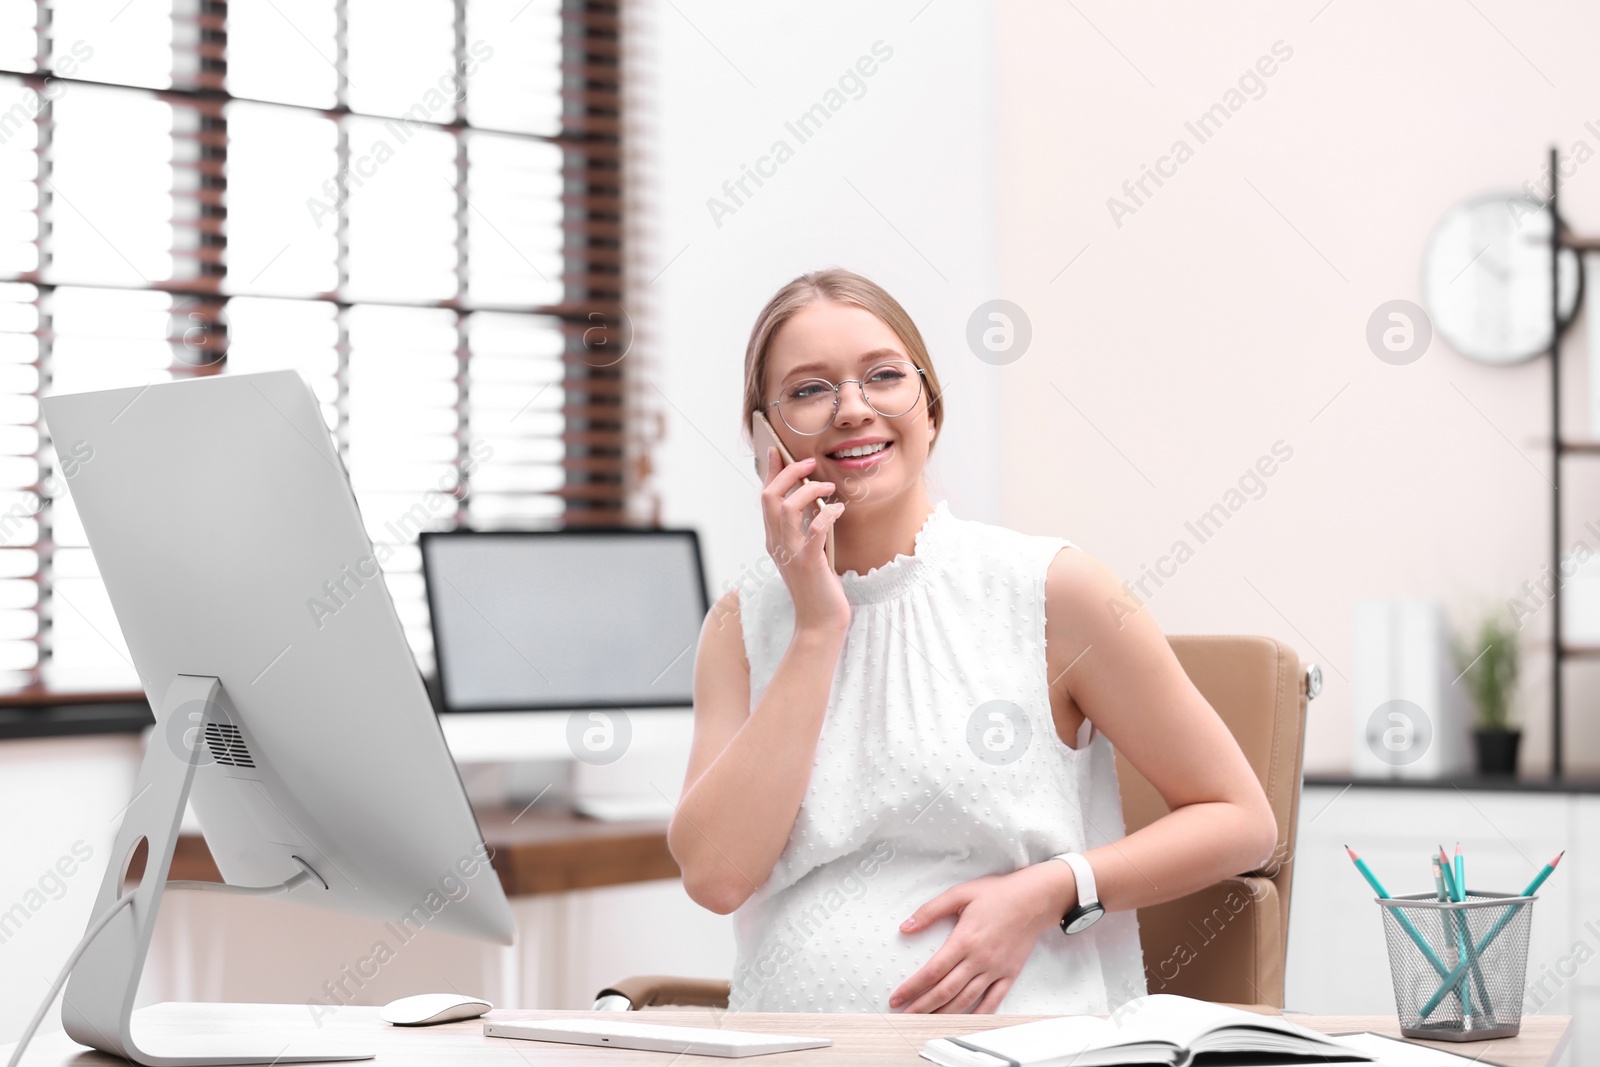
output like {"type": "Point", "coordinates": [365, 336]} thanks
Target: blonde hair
{"type": "Point", "coordinates": [841, 287]}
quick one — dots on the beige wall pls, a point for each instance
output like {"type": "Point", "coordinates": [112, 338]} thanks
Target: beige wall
{"type": "Point", "coordinates": [1228, 312]}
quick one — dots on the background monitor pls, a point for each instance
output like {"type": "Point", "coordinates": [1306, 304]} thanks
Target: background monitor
{"type": "Point", "coordinates": [565, 619]}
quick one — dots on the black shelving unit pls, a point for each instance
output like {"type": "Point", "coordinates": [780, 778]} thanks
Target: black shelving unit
{"type": "Point", "coordinates": [1561, 240]}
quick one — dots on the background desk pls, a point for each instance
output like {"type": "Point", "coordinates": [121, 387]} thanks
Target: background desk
{"type": "Point", "coordinates": [593, 901]}
{"type": "Point", "coordinates": [862, 1040]}
{"type": "Point", "coordinates": [534, 851]}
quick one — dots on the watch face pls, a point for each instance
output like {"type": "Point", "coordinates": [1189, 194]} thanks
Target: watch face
{"type": "Point", "coordinates": [1080, 919]}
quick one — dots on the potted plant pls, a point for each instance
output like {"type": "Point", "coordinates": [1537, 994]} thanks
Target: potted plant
{"type": "Point", "coordinates": [1488, 661]}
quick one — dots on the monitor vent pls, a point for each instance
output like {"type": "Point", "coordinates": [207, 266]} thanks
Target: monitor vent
{"type": "Point", "coordinates": [227, 745]}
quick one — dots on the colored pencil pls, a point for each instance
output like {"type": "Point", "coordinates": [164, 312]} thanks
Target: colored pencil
{"type": "Point", "coordinates": [1405, 920]}
{"type": "Point", "coordinates": [1464, 938]}
{"type": "Point", "coordinates": [1461, 969]}
{"type": "Point", "coordinates": [1441, 894]}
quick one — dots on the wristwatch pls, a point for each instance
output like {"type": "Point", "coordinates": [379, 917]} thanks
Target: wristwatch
{"type": "Point", "coordinates": [1088, 909]}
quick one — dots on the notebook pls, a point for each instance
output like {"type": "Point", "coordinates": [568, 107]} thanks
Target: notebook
{"type": "Point", "coordinates": [1159, 1028]}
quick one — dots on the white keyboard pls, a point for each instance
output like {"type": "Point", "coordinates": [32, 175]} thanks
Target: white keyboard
{"type": "Point", "coordinates": [698, 1041]}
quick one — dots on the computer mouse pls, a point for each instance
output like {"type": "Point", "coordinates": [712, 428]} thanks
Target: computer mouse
{"type": "Point", "coordinates": [426, 1009]}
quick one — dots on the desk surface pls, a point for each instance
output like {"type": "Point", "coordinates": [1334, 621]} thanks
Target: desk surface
{"type": "Point", "coordinates": [534, 851]}
{"type": "Point", "coordinates": [865, 1039]}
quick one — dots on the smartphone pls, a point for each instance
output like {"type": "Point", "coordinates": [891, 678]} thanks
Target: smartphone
{"type": "Point", "coordinates": [763, 437]}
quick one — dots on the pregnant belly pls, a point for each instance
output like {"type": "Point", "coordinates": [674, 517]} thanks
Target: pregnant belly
{"type": "Point", "coordinates": [832, 943]}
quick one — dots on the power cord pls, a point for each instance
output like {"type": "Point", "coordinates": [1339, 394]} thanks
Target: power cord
{"type": "Point", "coordinates": [307, 873]}
{"type": "Point", "coordinates": [72, 961]}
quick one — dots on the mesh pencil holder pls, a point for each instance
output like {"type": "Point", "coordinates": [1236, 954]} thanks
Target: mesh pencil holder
{"type": "Point", "coordinates": [1458, 967]}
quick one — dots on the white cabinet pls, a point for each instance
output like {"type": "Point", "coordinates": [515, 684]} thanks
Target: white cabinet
{"type": "Point", "coordinates": [1338, 960]}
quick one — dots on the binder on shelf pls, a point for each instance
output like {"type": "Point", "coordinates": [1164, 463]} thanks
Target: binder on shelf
{"type": "Point", "coordinates": [1409, 721]}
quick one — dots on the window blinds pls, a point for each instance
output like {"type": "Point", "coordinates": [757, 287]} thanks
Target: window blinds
{"type": "Point", "coordinates": [421, 214]}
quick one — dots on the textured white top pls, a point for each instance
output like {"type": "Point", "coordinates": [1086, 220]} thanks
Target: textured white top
{"type": "Point", "coordinates": [938, 762]}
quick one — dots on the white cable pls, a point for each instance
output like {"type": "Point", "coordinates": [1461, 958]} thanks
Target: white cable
{"type": "Point", "coordinates": [242, 890]}
{"type": "Point", "coordinates": [72, 961]}
{"type": "Point", "coordinates": [305, 875]}
{"type": "Point", "coordinates": [237, 890]}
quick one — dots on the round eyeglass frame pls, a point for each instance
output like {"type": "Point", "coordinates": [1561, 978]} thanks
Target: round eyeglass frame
{"type": "Point", "coordinates": [836, 387]}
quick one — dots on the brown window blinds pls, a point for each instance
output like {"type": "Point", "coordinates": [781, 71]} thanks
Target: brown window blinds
{"type": "Point", "coordinates": [422, 214]}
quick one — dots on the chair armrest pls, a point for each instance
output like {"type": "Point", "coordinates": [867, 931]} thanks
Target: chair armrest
{"type": "Point", "coordinates": [1223, 943]}
{"type": "Point", "coordinates": [656, 990]}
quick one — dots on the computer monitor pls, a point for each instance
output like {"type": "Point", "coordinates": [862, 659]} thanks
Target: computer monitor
{"type": "Point", "coordinates": [217, 508]}
{"type": "Point", "coordinates": [565, 620]}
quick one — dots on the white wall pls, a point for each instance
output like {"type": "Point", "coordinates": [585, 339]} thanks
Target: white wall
{"type": "Point", "coordinates": [898, 185]}
{"type": "Point", "coordinates": [1229, 312]}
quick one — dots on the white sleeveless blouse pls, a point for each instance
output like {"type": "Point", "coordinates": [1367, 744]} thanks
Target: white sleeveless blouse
{"type": "Point", "coordinates": [938, 762]}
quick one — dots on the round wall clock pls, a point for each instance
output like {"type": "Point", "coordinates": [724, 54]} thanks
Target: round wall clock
{"type": "Point", "coordinates": [1486, 278]}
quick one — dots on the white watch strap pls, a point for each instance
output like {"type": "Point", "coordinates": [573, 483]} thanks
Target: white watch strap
{"type": "Point", "coordinates": [1085, 876]}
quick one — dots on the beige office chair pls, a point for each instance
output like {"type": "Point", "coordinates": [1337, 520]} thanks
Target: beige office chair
{"type": "Point", "coordinates": [1226, 943]}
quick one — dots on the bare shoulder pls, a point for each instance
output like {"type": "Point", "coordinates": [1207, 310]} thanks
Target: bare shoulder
{"type": "Point", "coordinates": [721, 685]}
{"type": "Point", "coordinates": [1098, 635]}
{"type": "Point", "coordinates": [727, 604]}
{"type": "Point", "coordinates": [1085, 597]}
{"type": "Point", "coordinates": [1121, 672]}
{"type": "Point", "coordinates": [722, 635]}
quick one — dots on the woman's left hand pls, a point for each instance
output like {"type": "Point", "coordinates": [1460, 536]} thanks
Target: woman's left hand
{"type": "Point", "coordinates": [999, 918]}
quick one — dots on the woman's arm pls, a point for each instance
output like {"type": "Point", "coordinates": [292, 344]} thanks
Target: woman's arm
{"type": "Point", "coordinates": [1124, 677]}
{"type": "Point", "coordinates": [748, 768]}
{"type": "Point", "coordinates": [1127, 681]}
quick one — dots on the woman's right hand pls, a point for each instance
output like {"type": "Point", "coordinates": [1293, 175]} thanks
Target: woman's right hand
{"type": "Point", "coordinates": [798, 547]}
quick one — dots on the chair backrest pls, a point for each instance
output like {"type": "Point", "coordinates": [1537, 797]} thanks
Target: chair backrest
{"type": "Point", "coordinates": [1228, 943]}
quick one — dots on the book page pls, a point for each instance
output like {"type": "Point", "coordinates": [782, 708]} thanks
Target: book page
{"type": "Point", "coordinates": [1183, 1020]}
{"type": "Point", "coordinates": [1047, 1039]}
{"type": "Point", "coordinates": [1165, 1017]}
{"type": "Point", "coordinates": [1159, 1025]}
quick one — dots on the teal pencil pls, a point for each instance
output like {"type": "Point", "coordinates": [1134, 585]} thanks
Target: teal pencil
{"type": "Point", "coordinates": [1441, 893]}
{"type": "Point", "coordinates": [1454, 890]}
{"type": "Point", "coordinates": [1405, 920]}
{"type": "Point", "coordinates": [1461, 969]}
{"type": "Point", "coordinates": [1463, 932]}
{"type": "Point", "coordinates": [1466, 932]}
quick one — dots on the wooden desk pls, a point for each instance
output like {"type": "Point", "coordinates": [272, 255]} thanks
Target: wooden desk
{"type": "Point", "coordinates": [858, 1040]}
{"type": "Point", "coordinates": [535, 851]}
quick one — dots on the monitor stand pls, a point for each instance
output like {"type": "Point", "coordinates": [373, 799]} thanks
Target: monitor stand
{"type": "Point", "coordinates": [98, 1007]}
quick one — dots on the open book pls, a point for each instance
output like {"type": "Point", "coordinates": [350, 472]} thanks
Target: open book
{"type": "Point", "coordinates": [1160, 1028]}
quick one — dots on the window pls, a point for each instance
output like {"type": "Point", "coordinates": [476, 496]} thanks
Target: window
{"type": "Point", "coordinates": [422, 214]}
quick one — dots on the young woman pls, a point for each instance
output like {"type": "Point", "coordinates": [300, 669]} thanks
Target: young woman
{"type": "Point", "coordinates": [900, 770]}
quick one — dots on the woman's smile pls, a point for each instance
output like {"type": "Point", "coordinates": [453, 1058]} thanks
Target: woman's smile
{"type": "Point", "coordinates": [877, 451]}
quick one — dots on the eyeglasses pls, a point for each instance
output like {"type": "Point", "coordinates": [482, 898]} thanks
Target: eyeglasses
{"type": "Point", "coordinates": [810, 405]}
